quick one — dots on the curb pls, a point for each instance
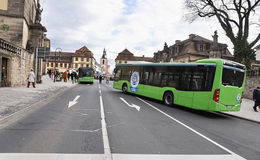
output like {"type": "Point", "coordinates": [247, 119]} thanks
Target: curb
{"type": "Point", "coordinates": [25, 111]}
{"type": "Point", "coordinates": [239, 117]}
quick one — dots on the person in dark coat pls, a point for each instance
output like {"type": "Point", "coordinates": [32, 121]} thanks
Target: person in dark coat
{"type": "Point", "coordinates": [100, 79]}
{"type": "Point", "coordinates": [256, 98]}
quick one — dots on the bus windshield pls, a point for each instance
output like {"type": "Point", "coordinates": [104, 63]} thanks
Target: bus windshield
{"type": "Point", "coordinates": [85, 72]}
{"type": "Point", "coordinates": [232, 76]}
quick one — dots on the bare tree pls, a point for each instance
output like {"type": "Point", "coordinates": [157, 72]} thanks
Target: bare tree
{"type": "Point", "coordinates": [235, 17]}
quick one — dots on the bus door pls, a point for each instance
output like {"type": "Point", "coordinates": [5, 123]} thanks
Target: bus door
{"type": "Point", "coordinates": [232, 86]}
{"type": "Point", "coordinates": [185, 94]}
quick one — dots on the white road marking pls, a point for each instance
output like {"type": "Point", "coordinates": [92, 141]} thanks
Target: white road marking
{"type": "Point", "coordinates": [132, 106]}
{"type": "Point", "coordinates": [107, 150]}
{"type": "Point", "coordinates": [54, 156]}
{"type": "Point", "coordinates": [193, 130]}
{"type": "Point", "coordinates": [71, 103]}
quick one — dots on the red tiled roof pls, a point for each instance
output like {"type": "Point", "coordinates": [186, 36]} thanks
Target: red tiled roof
{"type": "Point", "coordinates": [83, 52]}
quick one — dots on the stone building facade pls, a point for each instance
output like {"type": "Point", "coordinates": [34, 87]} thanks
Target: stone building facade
{"type": "Point", "coordinates": [127, 57]}
{"type": "Point", "coordinates": [192, 49]}
{"type": "Point", "coordinates": [20, 34]}
{"type": "Point", "coordinates": [69, 60]}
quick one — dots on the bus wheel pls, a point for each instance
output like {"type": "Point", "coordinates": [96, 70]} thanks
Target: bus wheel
{"type": "Point", "coordinates": [168, 98]}
{"type": "Point", "coordinates": [124, 88]}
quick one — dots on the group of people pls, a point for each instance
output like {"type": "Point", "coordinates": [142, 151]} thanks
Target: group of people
{"type": "Point", "coordinates": [55, 75]}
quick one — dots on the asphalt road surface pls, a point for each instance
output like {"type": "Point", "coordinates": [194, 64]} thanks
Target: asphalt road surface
{"type": "Point", "coordinates": [98, 122]}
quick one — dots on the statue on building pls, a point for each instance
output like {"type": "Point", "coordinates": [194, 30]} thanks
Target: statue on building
{"type": "Point", "coordinates": [215, 37]}
{"type": "Point", "coordinates": [38, 14]}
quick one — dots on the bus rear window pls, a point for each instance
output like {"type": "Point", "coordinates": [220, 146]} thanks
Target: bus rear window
{"type": "Point", "coordinates": [232, 77]}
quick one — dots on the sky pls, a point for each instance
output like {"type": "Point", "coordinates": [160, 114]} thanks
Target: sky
{"type": "Point", "coordinates": [141, 26]}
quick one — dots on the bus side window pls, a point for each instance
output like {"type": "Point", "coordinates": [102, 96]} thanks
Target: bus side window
{"type": "Point", "coordinates": [151, 78]}
{"type": "Point", "coordinates": [156, 79]}
{"type": "Point", "coordinates": [164, 81]}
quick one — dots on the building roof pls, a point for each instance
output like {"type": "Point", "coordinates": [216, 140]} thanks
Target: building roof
{"type": "Point", "coordinates": [257, 47]}
{"type": "Point", "coordinates": [125, 55]}
{"type": "Point", "coordinates": [148, 59]}
{"type": "Point", "coordinates": [63, 54]}
{"type": "Point", "coordinates": [83, 52]}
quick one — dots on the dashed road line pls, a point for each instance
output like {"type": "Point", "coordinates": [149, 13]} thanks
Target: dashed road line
{"type": "Point", "coordinates": [107, 150]}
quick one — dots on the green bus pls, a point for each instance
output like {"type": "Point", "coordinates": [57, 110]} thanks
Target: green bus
{"type": "Point", "coordinates": [208, 84]}
{"type": "Point", "coordinates": [86, 75]}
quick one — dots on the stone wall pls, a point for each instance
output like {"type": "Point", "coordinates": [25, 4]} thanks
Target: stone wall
{"type": "Point", "coordinates": [15, 32]}
{"type": "Point", "coordinates": [251, 84]}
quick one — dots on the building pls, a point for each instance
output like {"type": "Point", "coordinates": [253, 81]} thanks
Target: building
{"type": "Point", "coordinates": [69, 60]}
{"type": "Point", "coordinates": [104, 66]}
{"type": "Point", "coordinates": [20, 34]}
{"type": "Point", "coordinates": [127, 57]}
{"type": "Point", "coordinates": [255, 64]}
{"type": "Point", "coordinates": [192, 49]}
{"type": "Point", "coordinates": [257, 48]}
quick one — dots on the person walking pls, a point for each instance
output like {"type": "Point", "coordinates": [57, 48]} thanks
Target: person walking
{"type": "Point", "coordinates": [31, 79]}
{"type": "Point", "coordinates": [256, 98]}
{"type": "Point", "coordinates": [100, 79]}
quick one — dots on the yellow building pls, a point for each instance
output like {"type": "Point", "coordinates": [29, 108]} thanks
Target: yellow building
{"type": "Point", "coordinates": [68, 60]}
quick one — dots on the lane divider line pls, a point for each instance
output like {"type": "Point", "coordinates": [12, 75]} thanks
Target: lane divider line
{"type": "Point", "coordinates": [107, 150]}
{"type": "Point", "coordinates": [193, 130]}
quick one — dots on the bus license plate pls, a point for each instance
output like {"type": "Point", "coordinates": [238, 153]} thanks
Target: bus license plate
{"type": "Point", "coordinates": [230, 106]}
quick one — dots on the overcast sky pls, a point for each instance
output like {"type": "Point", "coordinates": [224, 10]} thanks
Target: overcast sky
{"type": "Point", "coordinates": [142, 26]}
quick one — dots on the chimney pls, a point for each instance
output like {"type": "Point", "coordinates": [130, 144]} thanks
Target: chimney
{"type": "Point", "coordinates": [191, 36]}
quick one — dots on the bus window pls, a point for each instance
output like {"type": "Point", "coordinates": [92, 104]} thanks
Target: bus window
{"type": "Point", "coordinates": [164, 81]}
{"type": "Point", "coordinates": [117, 73]}
{"type": "Point", "coordinates": [232, 77]}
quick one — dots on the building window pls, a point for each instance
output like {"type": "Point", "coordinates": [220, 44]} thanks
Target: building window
{"type": "Point", "coordinates": [201, 47]}
{"type": "Point", "coordinates": [87, 59]}
{"type": "Point", "coordinates": [65, 65]}
{"type": "Point", "coordinates": [60, 64]}
{"type": "Point", "coordinates": [51, 64]}
{"type": "Point", "coordinates": [3, 4]}
{"type": "Point", "coordinates": [47, 64]}
{"type": "Point", "coordinates": [120, 62]}
{"type": "Point", "coordinates": [125, 61]}
{"type": "Point", "coordinates": [56, 64]}
{"type": "Point", "coordinates": [103, 61]}
{"type": "Point", "coordinates": [76, 59]}
{"type": "Point", "coordinates": [76, 65]}
{"type": "Point", "coordinates": [82, 59]}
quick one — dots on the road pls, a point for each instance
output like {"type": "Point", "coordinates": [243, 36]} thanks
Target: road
{"type": "Point", "coordinates": [103, 123]}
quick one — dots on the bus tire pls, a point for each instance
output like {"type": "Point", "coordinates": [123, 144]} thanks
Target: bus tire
{"type": "Point", "coordinates": [124, 88]}
{"type": "Point", "coordinates": [168, 98]}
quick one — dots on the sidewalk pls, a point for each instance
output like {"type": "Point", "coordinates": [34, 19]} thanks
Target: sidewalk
{"type": "Point", "coordinates": [13, 99]}
{"type": "Point", "coordinates": [246, 111]}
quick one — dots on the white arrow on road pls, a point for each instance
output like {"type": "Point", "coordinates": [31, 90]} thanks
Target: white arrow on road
{"type": "Point", "coordinates": [71, 103]}
{"type": "Point", "coordinates": [132, 106]}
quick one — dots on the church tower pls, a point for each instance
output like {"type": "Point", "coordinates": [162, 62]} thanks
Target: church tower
{"type": "Point", "coordinates": [104, 63]}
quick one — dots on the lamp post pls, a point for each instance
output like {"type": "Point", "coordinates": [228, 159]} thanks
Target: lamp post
{"type": "Point", "coordinates": [55, 73]}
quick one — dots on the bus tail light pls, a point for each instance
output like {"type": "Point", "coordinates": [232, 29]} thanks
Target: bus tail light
{"type": "Point", "coordinates": [216, 95]}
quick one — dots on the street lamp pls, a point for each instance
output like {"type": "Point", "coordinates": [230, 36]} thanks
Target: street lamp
{"type": "Point", "coordinates": [59, 50]}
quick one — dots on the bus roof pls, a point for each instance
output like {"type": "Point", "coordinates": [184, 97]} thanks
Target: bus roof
{"type": "Point", "coordinates": [206, 62]}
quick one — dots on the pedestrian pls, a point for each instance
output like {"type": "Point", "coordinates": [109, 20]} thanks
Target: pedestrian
{"type": "Point", "coordinates": [73, 77]}
{"type": "Point", "coordinates": [100, 79]}
{"type": "Point", "coordinates": [31, 79]}
{"type": "Point", "coordinates": [65, 76]}
{"type": "Point", "coordinates": [256, 98]}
